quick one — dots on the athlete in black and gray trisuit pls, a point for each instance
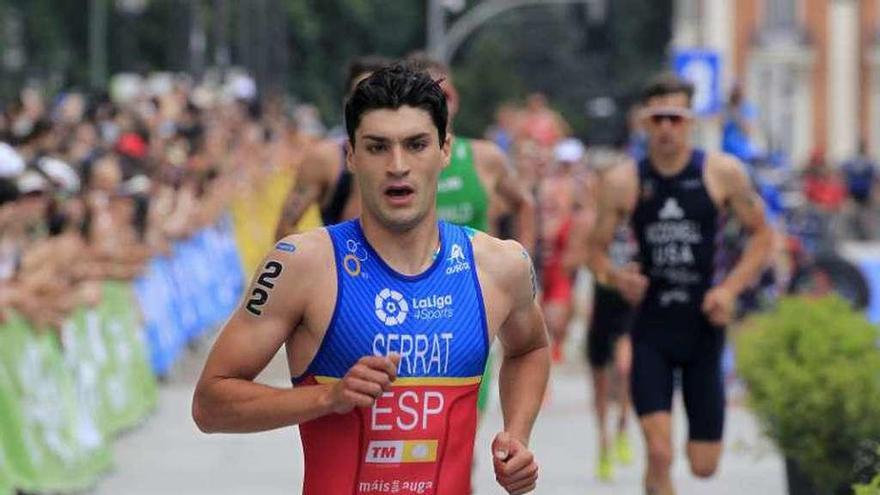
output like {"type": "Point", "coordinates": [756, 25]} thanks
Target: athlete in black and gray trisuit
{"type": "Point", "coordinates": [674, 200]}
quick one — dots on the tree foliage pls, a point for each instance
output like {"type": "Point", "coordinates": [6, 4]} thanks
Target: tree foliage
{"type": "Point", "coordinates": [569, 54]}
{"type": "Point", "coordinates": [303, 46]}
{"type": "Point", "coordinates": [326, 34]}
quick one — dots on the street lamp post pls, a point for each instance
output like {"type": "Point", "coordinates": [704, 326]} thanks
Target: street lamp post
{"type": "Point", "coordinates": [443, 43]}
{"type": "Point", "coordinates": [436, 29]}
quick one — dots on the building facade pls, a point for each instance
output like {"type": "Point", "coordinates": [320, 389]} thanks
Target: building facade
{"type": "Point", "coordinates": [812, 67]}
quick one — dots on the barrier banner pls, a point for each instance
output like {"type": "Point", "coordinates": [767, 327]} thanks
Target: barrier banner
{"type": "Point", "coordinates": [156, 295]}
{"type": "Point", "coordinates": [59, 408]}
{"type": "Point", "coordinates": [197, 269]}
{"type": "Point", "coordinates": [9, 423]}
{"type": "Point", "coordinates": [51, 441]}
{"type": "Point", "coordinates": [129, 387]}
{"type": "Point", "coordinates": [188, 293]}
{"type": "Point", "coordinates": [85, 356]}
{"type": "Point", "coordinates": [5, 478]}
{"type": "Point", "coordinates": [185, 290]}
{"type": "Point", "coordinates": [227, 281]}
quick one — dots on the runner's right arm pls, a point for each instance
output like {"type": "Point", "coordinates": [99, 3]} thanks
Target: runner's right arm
{"type": "Point", "coordinates": [278, 301]}
{"type": "Point", "coordinates": [616, 190]}
{"type": "Point", "coordinates": [308, 187]}
{"type": "Point", "coordinates": [583, 221]}
{"type": "Point", "coordinates": [509, 187]}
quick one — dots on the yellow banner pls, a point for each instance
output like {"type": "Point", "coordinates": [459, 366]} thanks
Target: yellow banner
{"type": "Point", "coordinates": [256, 213]}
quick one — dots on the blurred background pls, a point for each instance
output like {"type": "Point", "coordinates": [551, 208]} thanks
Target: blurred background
{"type": "Point", "coordinates": [147, 146]}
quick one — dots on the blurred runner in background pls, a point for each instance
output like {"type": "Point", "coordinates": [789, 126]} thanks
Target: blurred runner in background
{"type": "Point", "coordinates": [323, 178]}
{"type": "Point", "coordinates": [674, 200]}
{"type": "Point", "coordinates": [477, 173]}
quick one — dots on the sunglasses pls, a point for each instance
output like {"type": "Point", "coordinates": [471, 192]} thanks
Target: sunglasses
{"type": "Point", "coordinates": [675, 117]}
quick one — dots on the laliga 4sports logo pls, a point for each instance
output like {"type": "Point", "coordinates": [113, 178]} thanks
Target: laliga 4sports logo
{"type": "Point", "coordinates": [391, 307]}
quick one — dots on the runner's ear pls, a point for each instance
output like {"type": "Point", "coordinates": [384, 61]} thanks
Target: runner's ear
{"type": "Point", "coordinates": [446, 150]}
{"type": "Point", "coordinates": [349, 156]}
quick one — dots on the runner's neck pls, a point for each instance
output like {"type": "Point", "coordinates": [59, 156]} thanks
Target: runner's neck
{"type": "Point", "coordinates": [409, 252]}
{"type": "Point", "coordinates": [670, 165]}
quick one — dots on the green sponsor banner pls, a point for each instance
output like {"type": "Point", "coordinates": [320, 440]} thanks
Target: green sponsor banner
{"type": "Point", "coordinates": [61, 402]}
{"type": "Point", "coordinates": [6, 487]}
{"type": "Point", "coordinates": [84, 356]}
{"type": "Point", "coordinates": [6, 422]}
{"type": "Point", "coordinates": [129, 384]}
{"type": "Point", "coordinates": [49, 430]}
{"type": "Point", "coordinates": [106, 357]}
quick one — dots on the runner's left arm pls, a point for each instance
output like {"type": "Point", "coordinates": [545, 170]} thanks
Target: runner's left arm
{"type": "Point", "coordinates": [583, 221]}
{"type": "Point", "coordinates": [509, 187]}
{"type": "Point", "coordinates": [747, 206]}
{"type": "Point", "coordinates": [525, 367]}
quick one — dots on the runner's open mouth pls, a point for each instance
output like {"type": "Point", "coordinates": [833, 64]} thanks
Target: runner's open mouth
{"type": "Point", "coordinates": [399, 191]}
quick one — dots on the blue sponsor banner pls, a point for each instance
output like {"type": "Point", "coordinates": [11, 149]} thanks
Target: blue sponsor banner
{"type": "Point", "coordinates": [188, 293]}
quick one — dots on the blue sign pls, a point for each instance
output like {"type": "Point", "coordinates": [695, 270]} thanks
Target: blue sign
{"type": "Point", "coordinates": [703, 69]}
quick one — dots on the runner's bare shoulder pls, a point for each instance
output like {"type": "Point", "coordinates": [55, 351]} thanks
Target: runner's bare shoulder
{"type": "Point", "coordinates": [724, 174]}
{"type": "Point", "coordinates": [724, 165]}
{"type": "Point", "coordinates": [322, 160]}
{"type": "Point", "coordinates": [311, 251]}
{"type": "Point", "coordinates": [505, 264]}
{"type": "Point", "coordinates": [619, 184]}
{"type": "Point", "coordinates": [292, 272]}
{"type": "Point", "coordinates": [488, 154]}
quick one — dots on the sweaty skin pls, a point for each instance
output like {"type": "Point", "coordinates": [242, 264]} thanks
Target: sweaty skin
{"type": "Point", "coordinates": [730, 189]}
{"type": "Point", "coordinates": [315, 184]}
{"type": "Point", "coordinates": [499, 179]}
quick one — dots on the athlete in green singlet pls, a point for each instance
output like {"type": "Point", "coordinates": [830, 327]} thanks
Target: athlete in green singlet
{"type": "Point", "coordinates": [461, 196]}
{"type": "Point", "coordinates": [477, 172]}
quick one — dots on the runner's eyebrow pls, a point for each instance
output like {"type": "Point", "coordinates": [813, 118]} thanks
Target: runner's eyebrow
{"type": "Point", "coordinates": [383, 139]}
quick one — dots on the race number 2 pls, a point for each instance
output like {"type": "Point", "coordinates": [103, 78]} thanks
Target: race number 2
{"type": "Point", "coordinates": [260, 295]}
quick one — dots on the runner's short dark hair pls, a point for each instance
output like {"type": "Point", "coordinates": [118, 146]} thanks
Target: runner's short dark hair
{"type": "Point", "coordinates": [422, 61]}
{"type": "Point", "coordinates": [667, 83]}
{"type": "Point", "coordinates": [391, 88]}
{"type": "Point", "coordinates": [362, 65]}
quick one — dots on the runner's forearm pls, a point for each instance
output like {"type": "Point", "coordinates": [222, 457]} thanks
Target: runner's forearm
{"type": "Point", "coordinates": [295, 206]}
{"type": "Point", "coordinates": [232, 405]}
{"type": "Point", "coordinates": [290, 217]}
{"type": "Point", "coordinates": [522, 382]}
{"type": "Point", "coordinates": [754, 260]}
{"type": "Point", "coordinates": [526, 224]}
{"type": "Point", "coordinates": [600, 264]}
